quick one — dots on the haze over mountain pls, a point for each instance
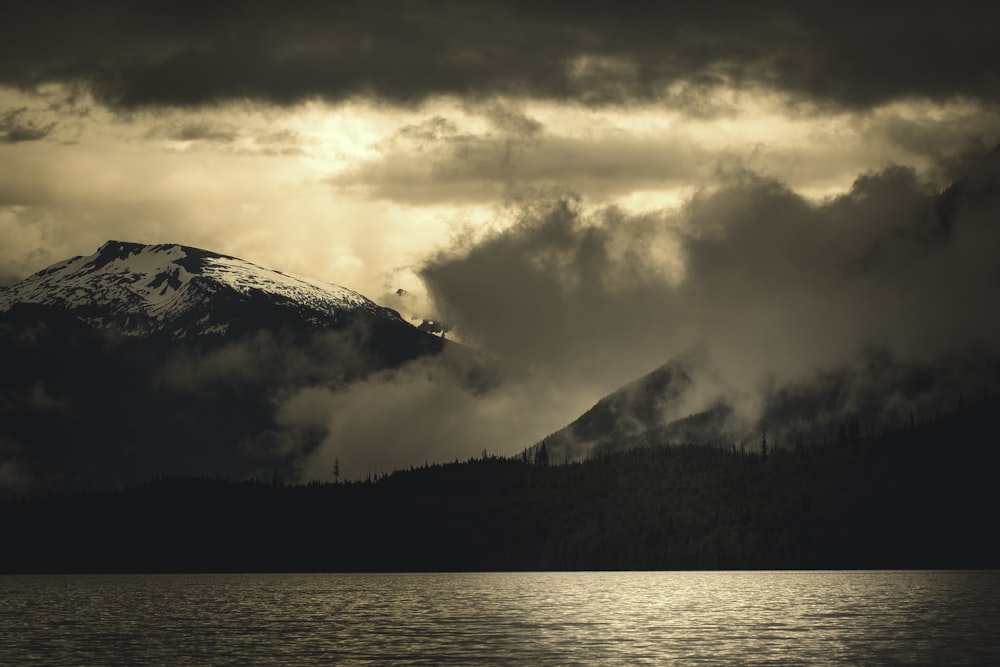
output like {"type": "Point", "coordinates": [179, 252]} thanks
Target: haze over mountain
{"type": "Point", "coordinates": [873, 306]}
{"type": "Point", "coordinates": [874, 395]}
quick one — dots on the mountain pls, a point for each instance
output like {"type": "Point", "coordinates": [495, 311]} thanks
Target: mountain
{"type": "Point", "coordinates": [147, 360]}
{"type": "Point", "coordinates": [182, 292]}
{"type": "Point", "coordinates": [633, 409]}
{"type": "Point", "coordinates": [873, 394]}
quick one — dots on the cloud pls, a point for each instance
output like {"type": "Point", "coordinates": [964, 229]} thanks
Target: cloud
{"type": "Point", "coordinates": [848, 54]}
{"type": "Point", "coordinates": [546, 292]}
{"type": "Point", "coordinates": [404, 181]}
{"type": "Point", "coordinates": [235, 408]}
{"type": "Point", "coordinates": [267, 361]}
{"type": "Point", "coordinates": [435, 162]}
{"type": "Point", "coordinates": [321, 398]}
{"type": "Point", "coordinates": [201, 131]}
{"type": "Point", "coordinates": [306, 402]}
{"type": "Point", "coordinates": [15, 127]}
{"type": "Point", "coordinates": [422, 412]}
{"type": "Point", "coordinates": [260, 197]}
{"type": "Point", "coordinates": [487, 153]}
{"type": "Point", "coordinates": [28, 232]}
{"type": "Point", "coordinates": [774, 287]}
{"type": "Point", "coordinates": [227, 136]}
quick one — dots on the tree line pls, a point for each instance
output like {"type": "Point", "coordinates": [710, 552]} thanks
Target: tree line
{"type": "Point", "coordinates": [918, 497]}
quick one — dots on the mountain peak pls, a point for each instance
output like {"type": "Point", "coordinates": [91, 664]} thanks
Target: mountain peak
{"type": "Point", "coordinates": [121, 249]}
{"type": "Point", "coordinates": [138, 289]}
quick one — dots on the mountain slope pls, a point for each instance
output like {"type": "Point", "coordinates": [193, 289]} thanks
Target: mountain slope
{"type": "Point", "coordinates": [633, 409]}
{"type": "Point", "coordinates": [141, 361]}
{"type": "Point", "coordinates": [180, 291]}
{"type": "Point", "coordinates": [871, 394]}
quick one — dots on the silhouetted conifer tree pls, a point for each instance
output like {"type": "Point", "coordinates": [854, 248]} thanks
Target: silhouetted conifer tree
{"type": "Point", "coordinates": [542, 455]}
{"type": "Point", "coordinates": [763, 445]}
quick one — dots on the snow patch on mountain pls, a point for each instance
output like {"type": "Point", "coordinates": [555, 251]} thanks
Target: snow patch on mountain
{"type": "Point", "coordinates": [139, 289]}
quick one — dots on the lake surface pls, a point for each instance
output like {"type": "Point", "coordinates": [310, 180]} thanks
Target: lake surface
{"type": "Point", "coordinates": [766, 618]}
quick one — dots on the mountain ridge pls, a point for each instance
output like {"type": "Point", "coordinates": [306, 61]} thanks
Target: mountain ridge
{"type": "Point", "coordinates": [175, 290]}
{"type": "Point", "coordinates": [875, 392]}
{"type": "Point", "coordinates": [630, 410]}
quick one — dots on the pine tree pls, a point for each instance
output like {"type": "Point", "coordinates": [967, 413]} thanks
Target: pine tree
{"type": "Point", "coordinates": [763, 445]}
{"type": "Point", "coordinates": [542, 455]}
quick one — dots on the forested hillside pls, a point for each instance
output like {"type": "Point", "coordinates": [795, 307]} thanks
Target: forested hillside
{"type": "Point", "coordinates": [920, 497]}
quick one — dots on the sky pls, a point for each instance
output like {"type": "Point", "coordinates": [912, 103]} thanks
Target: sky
{"type": "Point", "coordinates": [582, 190]}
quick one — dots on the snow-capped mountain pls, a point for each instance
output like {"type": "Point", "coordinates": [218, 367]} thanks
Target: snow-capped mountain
{"type": "Point", "coordinates": [181, 292]}
{"type": "Point", "coordinates": [165, 359]}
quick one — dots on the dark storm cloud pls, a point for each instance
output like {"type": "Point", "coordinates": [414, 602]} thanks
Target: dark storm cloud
{"type": "Point", "coordinates": [772, 285]}
{"type": "Point", "coordinates": [546, 292]}
{"type": "Point", "coordinates": [16, 127]}
{"type": "Point", "coordinates": [185, 53]}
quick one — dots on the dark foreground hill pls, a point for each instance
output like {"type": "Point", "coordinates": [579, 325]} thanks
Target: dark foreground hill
{"type": "Point", "coordinates": [921, 497]}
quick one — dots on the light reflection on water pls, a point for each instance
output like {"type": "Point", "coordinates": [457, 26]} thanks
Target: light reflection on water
{"type": "Point", "coordinates": [495, 618]}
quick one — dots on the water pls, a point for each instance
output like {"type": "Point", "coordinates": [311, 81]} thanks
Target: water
{"type": "Point", "coordinates": [766, 618]}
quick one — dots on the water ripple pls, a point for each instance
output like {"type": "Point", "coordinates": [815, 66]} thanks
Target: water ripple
{"type": "Point", "coordinates": [757, 618]}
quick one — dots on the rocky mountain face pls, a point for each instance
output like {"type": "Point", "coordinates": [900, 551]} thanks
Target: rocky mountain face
{"type": "Point", "coordinates": [140, 361]}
